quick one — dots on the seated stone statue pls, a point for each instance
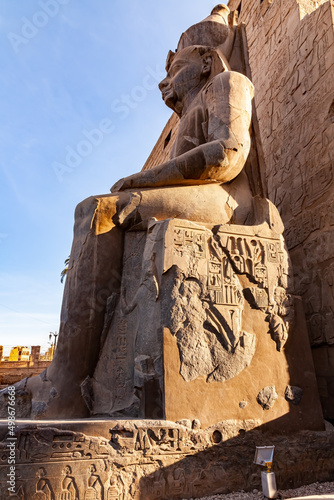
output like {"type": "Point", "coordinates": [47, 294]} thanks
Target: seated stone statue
{"type": "Point", "coordinates": [214, 105]}
{"type": "Point", "coordinates": [203, 181]}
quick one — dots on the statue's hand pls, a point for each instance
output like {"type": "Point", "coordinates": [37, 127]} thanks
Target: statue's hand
{"type": "Point", "coordinates": [132, 181]}
{"type": "Point", "coordinates": [118, 186]}
{"type": "Point", "coordinates": [140, 179]}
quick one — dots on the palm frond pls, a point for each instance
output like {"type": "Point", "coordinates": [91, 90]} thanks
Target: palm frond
{"type": "Point", "coordinates": [65, 270]}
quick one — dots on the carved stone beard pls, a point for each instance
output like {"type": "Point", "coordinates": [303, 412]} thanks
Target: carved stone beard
{"type": "Point", "coordinates": [173, 103]}
{"type": "Point", "coordinates": [177, 107]}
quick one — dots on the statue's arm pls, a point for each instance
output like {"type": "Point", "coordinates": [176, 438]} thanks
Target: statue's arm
{"type": "Point", "coordinates": [205, 163]}
{"type": "Point", "coordinates": [220, 159]}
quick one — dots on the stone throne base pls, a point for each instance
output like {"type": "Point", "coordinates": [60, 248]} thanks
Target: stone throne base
{"type": "Point", "coordinates": [206, 327]}
{"type": "Point", "coordinates": [152, 460]}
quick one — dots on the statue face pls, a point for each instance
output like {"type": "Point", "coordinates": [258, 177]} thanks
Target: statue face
{"type": "Point", "coordinates": [185, 75]}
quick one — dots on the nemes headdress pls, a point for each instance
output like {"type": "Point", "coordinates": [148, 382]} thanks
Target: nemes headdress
{"type": "Point", "coordinates": [216, 31]}
{"type": "Point", "coordinates": [215, 34]}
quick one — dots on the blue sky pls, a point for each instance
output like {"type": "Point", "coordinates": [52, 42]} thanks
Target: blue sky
{"type": "Point", "coordinates": [80, 109]}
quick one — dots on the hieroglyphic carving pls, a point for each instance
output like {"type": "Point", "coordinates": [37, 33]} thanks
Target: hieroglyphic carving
{"type": "Point", "coordinates": [188, 240]}
{"type": "Point", "coordinates": [299, 152]}
{"type": "Point", "coordinates": [226, 299]}
{"type": "Point", "coordinates": [247, 253]}
{"type": "Point", "coordinates": [114, 488]}
{"type": "Point", "coordinates": [67, 446]}
{"type": "Point", "coordinates": [312, 188]}
{"type": "Point", "coordinates": [263, 260]}
{"type": "Point", "coordinates": [44, 489]}
{"type": "Point", "coordinates": [158, 439]}
{"type": "Point", "coordinates": [18, 495]}
{"type": "Point", "coordinates": [207, 304]}
{"type": "Point", "coordinates": [58, 445]}
{"type": "Point", "coordinates": [176, 481]}
{"type": "Point", "coordinates": [309, 221]}
{"type": "Point", "coordinates": [69, 488]}
{"type": "Point", "coordinates": [217, 299]}
{"type": "Point", "coordinates": [94, 490]}
{"type": "Point", "coordinates": [22, 451]}
{"type": "Point", "coordinates": [121, 359]}
{"type": "Point", "coordinates": [158, 485]}
{"type": "Point", "coordinates": [222, 280]}
{"type": "Point", "coordinates": [134, 474]}
{"type": "Point", "coordinates": [316, 288]}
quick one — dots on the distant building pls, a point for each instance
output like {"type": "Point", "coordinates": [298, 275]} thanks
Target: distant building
{"type": "Point", "coordinates": [19, 353]}
{"type": "Point", "coordinates": [20, 364]}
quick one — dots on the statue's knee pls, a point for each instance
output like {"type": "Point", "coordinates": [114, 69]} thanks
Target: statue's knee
{"type": "Point", "coordinates": [84, 215]}
{"type": "Point", "coordinates": [86, 207]}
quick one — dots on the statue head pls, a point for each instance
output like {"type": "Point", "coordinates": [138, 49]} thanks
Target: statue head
{"type": "Point", "coordinates": [188, 70]}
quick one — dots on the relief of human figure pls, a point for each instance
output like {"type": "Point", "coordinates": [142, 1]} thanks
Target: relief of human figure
{"type": "Point", "coordinates": [43, 486]}
{"type": "Point", "coordinates": [112, 490]}
{"type": "Point", "coordinates": [69, 487]}
{"type": "Point", "coordinates": [18, 495]}
{"type": "Point", "coordinates": [94, 490]}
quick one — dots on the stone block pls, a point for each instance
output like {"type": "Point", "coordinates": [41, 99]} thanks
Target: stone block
{"type": "Point", "coordinates": [293, 394]}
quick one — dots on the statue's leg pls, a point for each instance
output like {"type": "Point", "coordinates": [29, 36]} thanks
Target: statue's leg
{"type": "Point", "coordinates": [207, 203]}
{"type": "Point", "coordinates": [111, 389]}
{"type": "Point", "coordinates": [94, 274]}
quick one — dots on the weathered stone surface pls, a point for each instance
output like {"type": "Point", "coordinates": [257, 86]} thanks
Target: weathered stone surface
{"type": "Point", "coordinates": [267, 397]}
